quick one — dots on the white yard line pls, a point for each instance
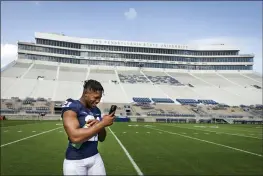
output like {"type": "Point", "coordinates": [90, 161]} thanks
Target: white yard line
{"type": "Point", "coordinates": [29, 137]}
{"type": "Point", "coordinates": [3, 127]}
{"type": "Point", "coordinates": [241, 130]}
{"type": "Point", "coordinates": [233, 148]}
{"type": "Point", "coordinates": [215, 132]}
{"type": "Point", "coordinates": [139, 172]}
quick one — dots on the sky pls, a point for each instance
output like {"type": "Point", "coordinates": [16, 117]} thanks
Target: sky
{"type": "Point", "coordinates": [178, 22]}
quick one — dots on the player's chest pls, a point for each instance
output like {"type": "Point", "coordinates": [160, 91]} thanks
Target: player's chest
{"type": "Point", "coordinates": [85, 116]}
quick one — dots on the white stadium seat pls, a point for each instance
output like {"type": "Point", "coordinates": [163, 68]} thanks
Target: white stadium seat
{"type": "Point", "coordinates": [228, 88]}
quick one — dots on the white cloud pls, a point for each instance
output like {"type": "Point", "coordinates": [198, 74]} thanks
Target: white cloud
{"type": "Point", "coordinates": [246, 45]}
{"type": "Point", "coordinates": [131, 14]}
{"type": "Point", "coordinates": [8, 54]}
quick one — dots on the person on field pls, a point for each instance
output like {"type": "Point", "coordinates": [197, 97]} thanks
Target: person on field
{"type": "Point", "coordinates": [85, 127]}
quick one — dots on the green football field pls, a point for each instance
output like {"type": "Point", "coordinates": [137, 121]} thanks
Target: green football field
{"type": "Point", "coordinates": [38, 147]}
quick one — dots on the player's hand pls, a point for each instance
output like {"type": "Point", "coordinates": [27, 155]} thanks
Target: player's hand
{"type": "Point", "coordinates": [91, 122]}
{"type": "Point", "coordinates": [108, 120]}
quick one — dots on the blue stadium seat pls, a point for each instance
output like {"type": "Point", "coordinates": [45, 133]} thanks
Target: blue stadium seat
{"type": "Point", "coordinates": [209, 102]}
{"type": "Point", "coordinates": [132, 79]}
{"type": "Point", "coordinates": [259, 106]}
{"type": "Point", "coordinates": [164, 80]}
{"type": "Point", "coordinates": [162, 100]}
{"type": "Point", "coordinates": [187, 101]}
{"type": "Point", "coordinates": [141, 100]}
{"type": "Point", "coordinates": [8, 111]}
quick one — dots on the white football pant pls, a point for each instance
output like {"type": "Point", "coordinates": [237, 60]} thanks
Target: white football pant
{"type": "Point", "coordinates": [88, 166]}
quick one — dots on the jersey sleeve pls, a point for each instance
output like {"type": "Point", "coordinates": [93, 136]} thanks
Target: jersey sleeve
{"type": "Point", "coordinates": [69, 104]}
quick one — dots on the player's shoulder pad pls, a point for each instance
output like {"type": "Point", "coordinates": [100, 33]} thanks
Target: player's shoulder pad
{"type": "Point", "coordinates": [70, 104]}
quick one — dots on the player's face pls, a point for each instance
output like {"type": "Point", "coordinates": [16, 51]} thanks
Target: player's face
{"type": "Point", "coordinates": [93, 98]}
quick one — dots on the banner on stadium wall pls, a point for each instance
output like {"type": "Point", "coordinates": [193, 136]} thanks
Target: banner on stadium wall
{"type": "Point", "coordinates": [122, 119]}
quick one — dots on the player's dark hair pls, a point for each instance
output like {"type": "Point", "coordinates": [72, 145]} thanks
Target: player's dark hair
{"type": "Point", "coordinates": [93, 85]}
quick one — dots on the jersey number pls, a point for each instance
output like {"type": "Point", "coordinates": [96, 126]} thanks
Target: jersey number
{"type": "Point", "coordinates": [66, 104]}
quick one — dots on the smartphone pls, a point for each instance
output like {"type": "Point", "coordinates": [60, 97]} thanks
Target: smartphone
{"type": "Point", "coordinates": [112, 109]}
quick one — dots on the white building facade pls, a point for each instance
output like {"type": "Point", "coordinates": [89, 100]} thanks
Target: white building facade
{"type": "Point", "coordinates": [84, 51]}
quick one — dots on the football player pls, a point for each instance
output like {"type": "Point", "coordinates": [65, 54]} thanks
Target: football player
{"type": "Point", "coordinates": [84, 126]}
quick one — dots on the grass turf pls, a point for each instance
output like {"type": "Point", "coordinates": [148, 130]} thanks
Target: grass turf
{"type": "Point", "coordinates": [158, 149]}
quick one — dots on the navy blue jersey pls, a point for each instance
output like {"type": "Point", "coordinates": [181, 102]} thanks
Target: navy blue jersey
{"type": "Point", "coordinates": [88, 148]}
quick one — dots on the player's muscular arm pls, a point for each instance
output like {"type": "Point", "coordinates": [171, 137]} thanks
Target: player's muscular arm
{"type": "Point", "coordinates": [77, 134]}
